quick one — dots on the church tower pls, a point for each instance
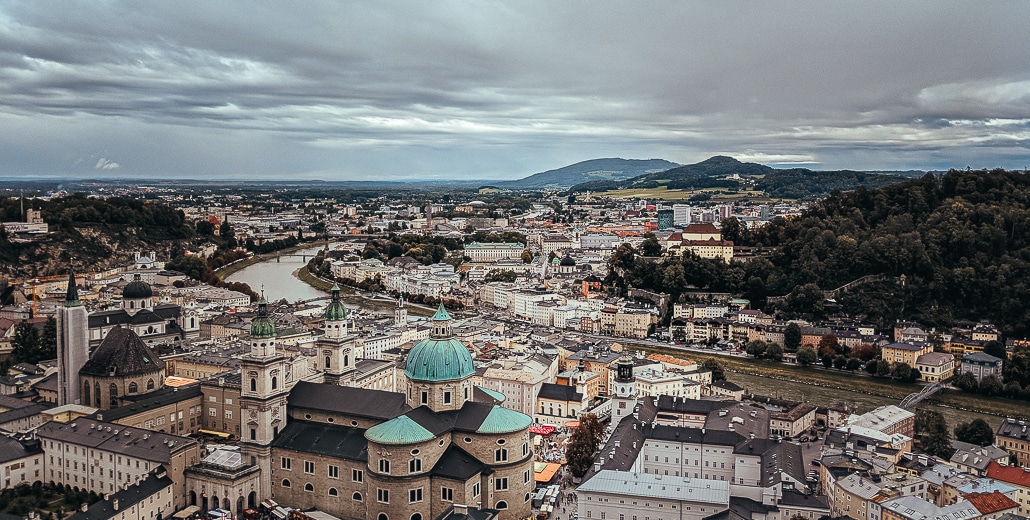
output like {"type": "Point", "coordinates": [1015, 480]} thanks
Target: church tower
{"type": "Point", "coordinates": [263, 394]}
{"type": "Point", "coordinates": [336, 345]}
{"type": "Point", "coordinates": [625, 388]}
{"type": "Point", "coordinates": [137, 295]}
{"type": "Point", "coordinates": [400, 314]}
{"type": "Point", "coordinates": [72, 344]}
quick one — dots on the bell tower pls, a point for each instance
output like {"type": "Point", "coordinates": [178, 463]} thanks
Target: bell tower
{"type": "Point", "coordinates": [263, 394]}
{"type": "Point", "coordinates": [625, 388]}
{"type": "Point", "coordinates": [72, 344]}
{"type": "Point", "coordinates": [336, 346]}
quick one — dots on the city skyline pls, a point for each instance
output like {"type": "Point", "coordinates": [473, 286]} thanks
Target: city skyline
{"type": "Point", "coordinates": [402, 91]}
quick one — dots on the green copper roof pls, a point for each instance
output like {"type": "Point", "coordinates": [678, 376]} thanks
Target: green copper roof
{"type": "Point", "coordinates": [441, 314]}
{"type": "Point", "coordinates": [439, 360]}
{"type": "Point", "coordinates": [499, 397]}
{"type": "Point", "coordinates": [335, 311]}
{"type": "Point", "coordinates": [399, 430]}
{"type": "Point", "coordinates": [262, 326]}
{"type": "Point", "coordinates": [503, 420]}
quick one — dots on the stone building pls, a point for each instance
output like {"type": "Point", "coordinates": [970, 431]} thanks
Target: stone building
{"type": "Point", "coordinates": [122, 365]}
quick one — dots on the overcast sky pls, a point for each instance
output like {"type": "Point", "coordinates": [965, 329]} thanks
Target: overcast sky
{"type": "Point", "coordinates": [492, 90]}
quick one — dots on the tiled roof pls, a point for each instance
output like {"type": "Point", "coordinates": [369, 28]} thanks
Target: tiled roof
{"type": "Point", "coordinates": [399, 430]}
{"type": "Point", "coordinates": [122, 353]}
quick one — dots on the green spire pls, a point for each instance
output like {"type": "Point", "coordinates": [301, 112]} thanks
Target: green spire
{"type": "Point", "coordinates": [262, 326]}
{"type": "Point", "coordinates": [71, 299]}
{"type": "Point", "coordinates": [441, 314]}
{"type": "Point", "coordinates": [335, 311]}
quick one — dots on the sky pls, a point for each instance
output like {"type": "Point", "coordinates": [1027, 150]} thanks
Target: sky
{"type": "Point", "coordinates": [387, 90]}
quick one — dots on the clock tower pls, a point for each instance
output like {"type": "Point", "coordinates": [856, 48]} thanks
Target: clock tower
{"type": "Point", "coordinates": [625, 388]}
{"type": "Point", "coordinates": [262, 395]}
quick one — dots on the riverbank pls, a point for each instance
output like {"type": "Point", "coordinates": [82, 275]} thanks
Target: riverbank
{"type": "Point", "coordinates": [351, 296]}
{"type": "Point", "coordinates": [235, 267]}
{"type": "Point", "coordinates": [846, 381]}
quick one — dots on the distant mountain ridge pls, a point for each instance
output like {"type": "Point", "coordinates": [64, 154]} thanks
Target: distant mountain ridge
{"type": "Point", "coordinates": [608, 169]}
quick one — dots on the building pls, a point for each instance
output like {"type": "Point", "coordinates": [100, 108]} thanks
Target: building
{"type": "Point", "coordinates": [906, 353]}
{"type": "Point", "coordinates": [72, 344]}
{"type": "Point", "coordinates": [666, 219]}
{"type": "Point", "coordinates": [980, 365]}
{"type": "Point", "coordinates": [123, 365]}
{"type": "Point", "coordinates": [21, 461]}
{"type": "Point", "coordinates": [1014, 437]}
{"type": "Point", "coordinates": [147, 499]}
{"type": "Point", "coordinates": [935, 366]}
{"type": "Point", "coordinates": [624, 494]}
{"type": "Point", "coordinates": [887, 419]}
{"type": "Point", "coordinates": [559, 404]}
{"type": "Point", "coordinates": [491, 252]}
{"type": "Point", "coordinates": [156, 324]}
{"type": "Point", "coordinates": [223, 480]}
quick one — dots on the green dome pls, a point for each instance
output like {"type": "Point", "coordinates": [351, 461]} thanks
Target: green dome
{"type": "Point", "coordinates": [399, 430]}
{"type": "Point", "coordinates": [439, 360]}
{"type": "Point", "coordinates": [503, 420]}
{"type": "Point", "coordinates": [262, 326]}
{"type": "Point", "coordinates": [335, 310]}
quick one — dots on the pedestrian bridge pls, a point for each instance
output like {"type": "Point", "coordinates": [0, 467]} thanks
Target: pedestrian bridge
{"type": "Point", "coordinates": [914, 398]}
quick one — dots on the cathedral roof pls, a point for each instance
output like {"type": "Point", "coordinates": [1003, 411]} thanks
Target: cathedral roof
{"type": "Point", "coordinates": [439, 360]}
{"type": "Point", "coordinates": [503, 420]}
{"type": "Point", "coordinates": [399, 430]}
{"type": "Point", "coordinates": [137, 289]}
{"type": "Point", "coordinates": [122, 353]}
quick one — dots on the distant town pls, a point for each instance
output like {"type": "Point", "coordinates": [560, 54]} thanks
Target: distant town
{"type": "Point", "coordinates": [423, 354]}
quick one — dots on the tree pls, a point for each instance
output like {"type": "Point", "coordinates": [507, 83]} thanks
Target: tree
{"type": "Point", "coordinates": [902, 372]}
{"type": "Point", "coordinates": [205, 227]}
{"type": "Point", "coordinates": [864, 352]}
{"type": "Point", "coordinates": [717, 372]}
{"type": "Point", "coordinates": [774, 352]}
{"type": "Point", "coordinates": [932, 431]}
{"type": "Point", "coordinates": [991, 385]}
{"type": "Point", "coordinates": [995, 348]}
{"type": "Point", "coordinates": [839, 362]}
{"type": "Point", "coordinates": [792, 337]}
{"type": "Point", "coordinates": [500, 275]}
{"type": "Point", "coordinates": [966, 382]}
{"type": "Point", "coordinates": [25, 343]}
{"type": "Point", "coordinates": [828, 345]}
{"type": "Point", "coordinates": [733, 230]}
{"type": "Point", "coordinates": [871, 366]}
{"type": "Point", "coordinates": [806, 356]}
{"type": "Point", "coordinates": [651, 246]}
{"type": "Point", "coordinates": [585, 440]}
{"type": "Point", "coordinates": [48, 340]}
{"type": "Point", "coordinates": [527, 256]}
{"type": "Point", "coordinates": [976, 432]}
{"type": "Point", "coordinates": [756, 348]}
{"type": "Point", "coordinates": [883, 368]}
{"type": "Point", "coordinates": [1018, 368]}
{"type": "Point", "coordinates": [827, 361]}
{"type": "Point", "coordinates": [853, 365]}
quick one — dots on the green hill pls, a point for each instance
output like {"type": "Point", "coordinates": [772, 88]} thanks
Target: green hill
{"type": "Point", "coordinates": [592, 170]}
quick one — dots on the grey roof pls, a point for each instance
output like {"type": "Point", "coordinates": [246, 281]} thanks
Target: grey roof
{"type": "Point", "coordinates": [727, 385]}
{"type": "Point", "coordinates": [1014, 429]}
{"type": "Point", "coordinates": [976, 456]}
{"type": "Point", "coordinates": [904, 346]}
{"type": "Point", "coordinates": [374, 404]}
{"type": "Point", "coordinates": [980, 357]}
{"type": "Point", "coordinates": [457, 464]}
{"type": "Point", "coordinates": [795, 498]}
{"type": "Point", "coordinates": [157, 481]}
{"type": "Point", "coordinates": [559, 392]}
{"type": "Point", "coordinates": [325, 439]}
{"type": "Point", "coordinates": [130, 441]}
{"type": "Point", "coordinates": [148, 402]}
{"type": "Point", "coordinates": [471, 513]}
{"type": "Point", "coordinates": [12, 449]}
{"type": "Point", "coordinates": [693, 435]}
{"type": "Point", "coordinates": [646, 485]}
{"type": "Point", "coordinates": [122, 353]}
{"type": "Point", "coordinates": [666, 403]}
{"type": "Point", "coordinates": [859, 486]}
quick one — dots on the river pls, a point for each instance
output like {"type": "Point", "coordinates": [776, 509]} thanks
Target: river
{"type": "Point", "coordinates": [822, 396]}
{"type": "Point", "coordinates": [277, 277]}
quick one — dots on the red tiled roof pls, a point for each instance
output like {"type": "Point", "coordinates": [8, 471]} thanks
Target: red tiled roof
{"type": "Point", "coordinates": [701, 227]}
{"type": "Point", "coordinates": [993, 502]}
{"type": "Point", "coordinates": [1009, 474]}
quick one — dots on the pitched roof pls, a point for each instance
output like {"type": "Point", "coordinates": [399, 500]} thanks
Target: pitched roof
{"type": "Point", "coordinates": [1011, 474]}
{"type": "Point", "coordinates": [399, 430]}
{"type": "Point", "coordinates": [122, 353]}
{"type": "Point", "coordinates": [156, 482]}
{"type": "Point", "coordinates": [559, 392]}
{"type": "Point", "coordinates": [373, 404]}
{"type": "Point", "coordinates": [325, 439]}
{"type": "Point", "coordinates": [457, 464]}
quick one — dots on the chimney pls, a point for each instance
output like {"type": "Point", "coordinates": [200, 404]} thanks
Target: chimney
{"type": "Point", "coordinates": [84, 507]}
{"type": "Point", "coordinates": [114, 504]}
{"type": "Point", "coordinates": [460, 509]}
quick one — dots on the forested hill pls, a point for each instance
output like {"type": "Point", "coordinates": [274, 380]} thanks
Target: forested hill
{"type": "Point", "coordinates": [962, 241]}
{"type": "Point", "coordinates": [595, 169]}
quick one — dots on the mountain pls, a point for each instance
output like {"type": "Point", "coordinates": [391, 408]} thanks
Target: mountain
{"type": "Point", "coordinates": [718, 166]}
{"type": "Point", "coordinates": [593, 170]}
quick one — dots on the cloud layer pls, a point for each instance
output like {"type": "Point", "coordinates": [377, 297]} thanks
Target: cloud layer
{"type": "Point", "coordinates": [490, 90]}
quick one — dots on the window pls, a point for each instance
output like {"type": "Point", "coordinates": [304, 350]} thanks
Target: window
{"type": "Point", "coordinates": [525, 477]}
{"type": "Point", "coordinates": [253, 434]}
{"type": "Point", "coordinates": [425, 397]}
{"type": "Point", "coordinates": [309, 487]}
{"type": "Point", "coordinates": [286, 463]}
{"type": "Point", "coordinates": [133, 388]}
{"type": "Point", "coordinates": [286, 482]}
{"type": "Point", "coordinates": [501, 455]}
{"type": "Point", "coordinates": [383, 495]}
{"type": "Point", "coordinates": [414, 465]}
{"type": "Point", "coordinates": [228, 401]}
{"type": "Point", "coordinates": [332, 492]}
{"type": "Point", "coordinates": [212, 399]}
{"type": "Point", "coordinates": [253, 385]}
{"type": "Point", "coordinates": [275, 382]}
{"type": "Point", "coordinates": [228, 414]}
{"type": "Point", "coordinates": [501, 505]}
{"type": "Point", "coordinates": [309, 467]}
{"type": "Point", "coordinates": [334, 471]}
{"type": "Point", "coordinates": [447, 494]}
{"type": "Point", "coordinates": [414, 495]}
{"type": "Point", "coordinates": [384, 466]}
{"type": "Point", "coordinates": [357, 475]}
{"type": "Point", "coordinates": [501, 484]}
{"type": "Point", "coordinates": [356, 497]}
{"type": "Point", "coordinates": [446, 398]}
{"type": "Point", "coordinates": [475, 490]}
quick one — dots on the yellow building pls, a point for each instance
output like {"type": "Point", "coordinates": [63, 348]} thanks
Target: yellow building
{"type": "Point", "coordinates": [905, 352]}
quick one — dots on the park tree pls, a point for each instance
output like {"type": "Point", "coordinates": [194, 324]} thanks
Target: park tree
{"type": "Point", "coordinates": [995, 348]}
{"type": "Point", "coordinates": [991, 385]}
{"type": "Point", "coordinates": [585, 440]}
{"type": "Point", "coordinates": [717, 372]}
{"type": "Point", "coordinates": [205, 227]}
{"type": "Point", "coordinates": [774, 352]}
{"type": "Point", "coordinates": [792, 337]}
{"type": "Point", "coordinates": [807, 355]}
{"type": "Point", "coordinates": [756, 348]}
{"type": "Point", "coordinates": [864, 352]}
{"type": "Point", "coordinates": [527, 256]}
{"type": "Point", "coordinates": [883, 368]}
{"type": "Point", "coordinates": [827, 361]}
{"type": "Point", "coordinates": [932, 431]}
{"type": "Point", "coordinates": [839, 362]}
{"type": "Point", "coordinates": [853, 365]}
{"type": "Point", "coordinates": [902, 372]}
{"type": "Point", "coordinates": [828, 345]}
{"type": "Point", "coordinates": [976, 432]}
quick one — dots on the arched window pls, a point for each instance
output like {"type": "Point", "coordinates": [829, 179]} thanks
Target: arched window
{"type": "Point", "coordinates": [286, 482]}
{"type": "Point", "coordinates": [501, 505]}
{"type": "Point", "coordinates": [150, 384]}
{"type": "Point", "coordinates": [193, 498]}
{"type": "Point", "coordinates": [96, 395]}
{"type": "Point", "coordinates": [114, 394]}
{"type": "Point", "coordinates": [275, 383]}
{"type": "Point", "coordinates": [328, 361]}
{"type": "Point", "coordinates": [253, 385]}
{"type": "Point", "coordinates": [133, 388]}
{"type": "Point", "coordinates": [332, 492]}
{"type": "Point", "coordinates": [309, 487]}
{"type": "Point", "coordinates": [85, 393]}
{"type": "Point", "coordinates": [346, 360]}
{"type": "Point", "coordinates": [416, 516]}
{"type": "Point", "coordinates": [382, 516]}
{"type": "Point", "coordinates": [356, 496]}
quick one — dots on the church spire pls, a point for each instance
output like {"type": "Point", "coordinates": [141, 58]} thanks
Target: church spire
{"type": "Point", "coordinates": [71, 298]}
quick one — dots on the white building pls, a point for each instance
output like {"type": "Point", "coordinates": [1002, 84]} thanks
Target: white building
{"type": "Point", "coordinates": [612, 495]}
{"type": "Point", "coordinates": [490, 252]}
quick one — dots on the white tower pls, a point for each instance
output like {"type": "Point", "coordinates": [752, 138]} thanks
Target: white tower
{"type": "Point", "coordinates": [336, 345]}
{"type": "Point", "coordinates": [625, 389]}
{"type": "Point", "coordinates": [72, 344]}
{"type": "Point", "coordinates": [264, 373]}
{"type": "Point", "coordinates": [400, 314]}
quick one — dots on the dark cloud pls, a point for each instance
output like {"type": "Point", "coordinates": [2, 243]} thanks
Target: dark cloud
{"type": "Point", "coordinates": [459, 89]}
